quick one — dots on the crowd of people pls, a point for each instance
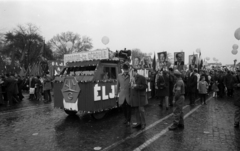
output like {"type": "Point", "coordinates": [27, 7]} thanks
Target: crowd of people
{"type": "Point", "coordinates": [197, 84]}
{"type": "Point", "coordinates": [12, 87]}
{"type": "Point", "coordinates": [171, 87]}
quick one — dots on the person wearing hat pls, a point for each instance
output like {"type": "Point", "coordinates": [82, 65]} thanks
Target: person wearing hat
{"type": "Point", "coordinates": [138, 98]}
{"type": "Point", "coordinates": [123, 89]}
{"type": "Point", "coordinates": [179, 91]}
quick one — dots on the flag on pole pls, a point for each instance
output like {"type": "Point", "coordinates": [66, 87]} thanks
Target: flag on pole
{"type": "Point", "coordinates": [41, 54]}
{"type": "Point", "coordinates": [154, 62]}
{"type": "Point", "coordinates": [23, 53]}
{"type": "Point", "coordinates": [200, 61]}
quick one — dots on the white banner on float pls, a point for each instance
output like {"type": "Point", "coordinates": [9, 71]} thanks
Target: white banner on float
{"type": "Point", "coordinates": [85, 56]}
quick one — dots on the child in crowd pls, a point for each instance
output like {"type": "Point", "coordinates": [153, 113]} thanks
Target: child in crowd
{"type": "Point", "coordinates": [215, 88]}
{"type": "Point", "coordinates": [203, 86]}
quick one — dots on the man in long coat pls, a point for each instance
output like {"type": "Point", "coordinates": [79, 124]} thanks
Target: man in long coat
{"type": "Point", "coordinates": [123, 89]}
{"type": "Point", "coordinates": [192, 86]}
{"type": "Point", "coordinates": [229, 81]}
{"type": "Point", "coordinates": [163, 93]}
{"type": "Point", "coordinates": [139, 98]}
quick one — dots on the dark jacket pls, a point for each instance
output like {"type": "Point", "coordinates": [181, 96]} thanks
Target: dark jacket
{"type": "Point", "coordinates": [181, 63]}
{"type": "Point", "coordinates": [229, 81]}
{"type": "Point", "coordinates": [192, 83]}
{"type": "Point", "coordinates": [11, 85]}
{"type": "Point", "coordinates": [138, 95]}
{"type": "Point", "coordinates": [165, 91]}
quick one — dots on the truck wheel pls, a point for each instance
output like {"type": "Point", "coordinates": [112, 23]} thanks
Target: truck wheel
{"type": "Point", "coordinates": [71, 112]}
{"type": "Point", "coordinates": [98, 115]}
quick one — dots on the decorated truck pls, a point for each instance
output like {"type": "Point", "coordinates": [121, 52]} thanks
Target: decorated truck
{"type": "Point", "coordinates": [87, 83]}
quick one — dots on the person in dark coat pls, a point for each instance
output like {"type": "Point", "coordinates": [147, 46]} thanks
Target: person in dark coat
{"type": "Point", "coordinates": [221, 85]}
{"type": "Point", "coordinates": [4, 93]}
{"type": "Point", "coordinates": [1, 94]}
{"type": "Point", "coordinates": [162, 88]}
{"type": "Point", "coordinates": [192, 86]}
{"type": "Point", "coordinates": [20, 85]}
{"type": "Point", "coordinates": [11, 89]}
{"type": "Point", "coordinates": [229, 81]}
{"type": "Point", "coordinates": [237, 112]}
{"type": "Point", "coordinates": [152, 83]}
{"type": "Point", "coordinates": [138, 98]}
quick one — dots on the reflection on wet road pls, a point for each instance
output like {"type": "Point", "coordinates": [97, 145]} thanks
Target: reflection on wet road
{"type": "Point", "coordinates": [41, 127]}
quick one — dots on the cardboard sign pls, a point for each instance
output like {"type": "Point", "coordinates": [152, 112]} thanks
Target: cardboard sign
{"type": "Point", "coordinates": [85, 56]}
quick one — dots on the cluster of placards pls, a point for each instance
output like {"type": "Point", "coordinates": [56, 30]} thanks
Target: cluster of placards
{"type": "Point", "coordinates": [144, 62]}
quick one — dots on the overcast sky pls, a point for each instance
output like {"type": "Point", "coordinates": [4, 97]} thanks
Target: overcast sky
{"type": "Point", "coordinates": [150, 25]}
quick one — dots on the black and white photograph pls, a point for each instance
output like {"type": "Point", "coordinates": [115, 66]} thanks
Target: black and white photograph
{"type": "Point", "coordinates": [179, 58]}
{"type": "Point", "coordinates": [119, 75]}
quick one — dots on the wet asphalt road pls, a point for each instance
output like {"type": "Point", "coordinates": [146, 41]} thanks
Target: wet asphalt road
{"type": "Point", "coordinates": [33, 125]}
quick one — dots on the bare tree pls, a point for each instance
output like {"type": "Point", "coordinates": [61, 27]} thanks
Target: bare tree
{"type": "Point", "coordinates": [23, 45]}
{"type": "Point", "coordinates": [60, 44]}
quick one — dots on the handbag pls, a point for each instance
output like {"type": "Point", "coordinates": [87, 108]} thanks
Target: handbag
{"type": "Point", "coordinates": [162, 85]}
{"type": "Point", "coordinates": [31, 90]}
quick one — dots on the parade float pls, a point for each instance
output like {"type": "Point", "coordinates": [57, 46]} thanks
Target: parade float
{"type": "Point", "coordinates": [88, 83]}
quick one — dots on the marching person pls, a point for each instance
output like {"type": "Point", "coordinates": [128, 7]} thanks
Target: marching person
{"type": "Point", "coordinates": [192, 86]}
{"type": "Point", "coordinates": [229, 82]}
{"type": "Point", "coordinates": [179, 91]}
{"type": "Point", "coordinates": [237, 112]}
{"type": "Point", "coordinates": [11, 89]}
{"type": "Point", "coordinates": [139, 98]}
{"type": "Point", "coordinates": [203, 87]}
{"type": "Point", "coordinates": [221, 85]}
{"type": "Point", "coordinates": [123, 89]}
{"type": "Point", "coordinates": [152, 83]}
{"type": "Point", "coordinates": [162, 88]}
{"type": "Point", "coordinates": [20, 85]}
{"type": "Point", "coordinates": [47, 86]}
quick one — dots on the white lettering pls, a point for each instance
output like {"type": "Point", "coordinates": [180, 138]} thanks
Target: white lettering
{"type": "Point", "coordinates": [96, 96]}
{"type": "Point", "coordinates": [104, 96]}
{"type": "Point", "coordinates": [83, 56]}
{"type": "Point", "coordinates": [112, 95]}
